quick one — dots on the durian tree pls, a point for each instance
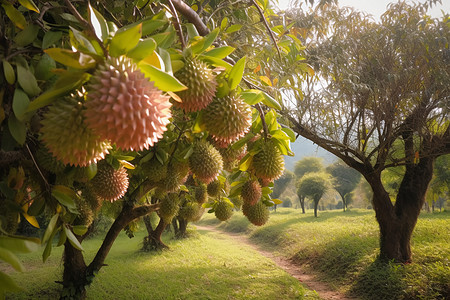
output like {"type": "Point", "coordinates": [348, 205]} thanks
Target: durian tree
{"type": "Point", "coordinates": [303, 167]}
{"type": "Point", "coordinates": [314, 186]}
{"type": "Point", "coordinates": [378, 85]}
{"type": "Point", "coordinates": [117, 103]}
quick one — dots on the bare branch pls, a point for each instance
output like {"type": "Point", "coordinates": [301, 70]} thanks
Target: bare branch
{"type": "Point", "coordinates": [191, 15]}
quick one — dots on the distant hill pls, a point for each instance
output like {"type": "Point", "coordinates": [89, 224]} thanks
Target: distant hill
{"type": "Point", "coordinates": [303, 148]}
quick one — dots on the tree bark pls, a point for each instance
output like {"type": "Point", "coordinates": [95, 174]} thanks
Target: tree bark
{"type": "Point", "coordinates": [397, 222]}
{"type": "Point", "coordinates": [316, 204]}
{"type": "Point", "coordinates": [182, 228]}
{"type": "Point", "coordinates": [153, 242]}
{"type": "Point", "coordinates": [302, 203]}
{"type": "Point", "coordinates": [74, 274]}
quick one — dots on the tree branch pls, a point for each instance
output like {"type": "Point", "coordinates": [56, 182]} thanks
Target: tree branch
{"type": "Point", "coordinates": [191, 16]}
{"type": "Point", "coordinates": [177, 24]}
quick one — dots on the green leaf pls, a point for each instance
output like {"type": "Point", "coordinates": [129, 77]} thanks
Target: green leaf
{"type": "Point", "coordinates": [9, 257]}
{"type": "Point", "coordinates": [251, 97]}
{"type": "Point", "coordinates": [149, 26]}
{"type": "Point", "coordinates": [216, 62]}
{"type": "Point", "coordinates": [20, 104]}
{"type": "Point", "coordinates": [270, 101]}
{"type": "Point", "coordinates": [72, 239]}
{"type": "Point", "coordinates": [7, 284]}
{"type": "Point", "coordinates": [26, 36]}
{"type": "Point", "coordinates": [71, 58]}
{"type": "Point", "coordinates": [80, 42]}
{"type": "Point", "coordinates": [245, 162]}
{"type": "Point", "coordinates": [17, 129]}
{"type": "Point", "coordinates": [199, 125]}
{"type": "Point", "coordinates": [44, 67]}
{"type": "Point", "coordinates": [62, 237]}
{"type": "Point", "coordinates": [48, 247]}
{"type": "Point", "coordinates": [224, 23]}
{"type": "Point", "coordinates": [50, 38]}
{"type": "Point", "coordinates": [8, 70]}
{"type": "Point", "coordinates": [266, 190]}
{"type": "Point", "coordinates": [50, 228]}
{"type": "Point", "coordinates": [37, 207]}
{"type": "Point", "coordinates": [66, 83]}
{"type": "Point", "coordinates": [65, 196]}
{"type": "Point", "coordinates": [191, 30]}
{"type": "Point", "coordinates": [207, 205]}
{"type": "Point", "coordinates": [19, 244]}
{"type": "Point", "coordinates": [142, 49]}
{"type": "Point", "coordinates": [99, 23]}
{"type": "Point", "coordinates": [79, 229]}
{"type": "Point", "coordinates": [91, 171]}
{"type": "Point", "coordinates": [236, 73]}
{"type": "Point", "coordinates": [125, 40]}
{"type": "Point", "coordinates": [210, 38]}
{"type": "Point", "coordinates": [14, 15]}
{"type": "Point", "coordinates": [165, 57]}
{"type": "Point", "coordinates": [290, 133]}
{"type": "Point", "coordinates": [163, 81]}
{"type": "Point", "coordinates": [29, 5]}
{"type": "Point", "coordinates": [279, 135]}
{"type": "Point", "coordinates": [27, 81]}
{"type": "Point", "coordinates": [220, 52]}
{"type": "Point", "coordinates": [233, 28]}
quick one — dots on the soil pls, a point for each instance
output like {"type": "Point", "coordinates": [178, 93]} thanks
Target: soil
{"type": "Point", "coordinates": [295, 270]}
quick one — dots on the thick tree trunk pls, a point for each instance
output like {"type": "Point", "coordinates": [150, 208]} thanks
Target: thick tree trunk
{"type": "Point", "coordinates": [397, 222]}
{"type": "Point", "coordinates": [153, 241]}
{"type": "Point", "coordinates": [148, 224]}
{"type": "Point", "coordinates": [175, 226]}
{"type": "Point", "coordinates": [74, 274]}
{"type": "Point", "coordinates": [182, 228]}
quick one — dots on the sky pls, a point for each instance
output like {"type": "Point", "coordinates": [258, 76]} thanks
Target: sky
{"type": "Point", "coordinates": [377, 7]}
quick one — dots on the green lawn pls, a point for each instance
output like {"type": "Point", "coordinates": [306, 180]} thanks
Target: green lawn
{"type": "Point", "coordinates": [205, 266]}
{"type": "Point", "coordinates": [343, 246]}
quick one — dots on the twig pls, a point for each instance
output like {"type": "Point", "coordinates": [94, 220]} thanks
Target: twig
{"type": "Point", "coordinates": [261, 13]}
{"type": "Point", "coordinates": [191, 15]}
{"type": "Point", "coordinates": [177, 24]}
{"type": "Point", "coordinates": [47, 186]}
{"type": "Point", "coordinates": [86, 24]}
{"type": "Point", "coordinates": [259, 108]}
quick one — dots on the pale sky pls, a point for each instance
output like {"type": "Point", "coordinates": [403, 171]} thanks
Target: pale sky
{"type": "Point", "coordinates": [376, 7]}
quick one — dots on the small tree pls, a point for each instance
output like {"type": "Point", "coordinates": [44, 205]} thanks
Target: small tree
{"type": "Point", "coordinates": [302, 167]}
{"type": "Point", "coordinates": [314, 186]}
{"type": "Point", "coordinates": [345, 180]}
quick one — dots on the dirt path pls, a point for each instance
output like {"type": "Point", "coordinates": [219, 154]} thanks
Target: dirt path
{"type": "Point", "coordinates": [309, 280]}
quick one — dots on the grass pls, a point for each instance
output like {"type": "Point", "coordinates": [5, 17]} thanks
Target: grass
{"type": "Point", "coordinates": [205, 266]}
{"type": "Point", "coordinates": [342, 247]}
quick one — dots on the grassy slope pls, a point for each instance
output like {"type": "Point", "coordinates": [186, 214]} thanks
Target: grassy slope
{"type": "Point", "coordinates": [343, 248]}
{"type": "Point", "coordinates": [202, 267]}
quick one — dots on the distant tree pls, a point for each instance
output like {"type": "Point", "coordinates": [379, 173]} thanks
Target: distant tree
{"type": "Point", "coordinates": [440, 184]}
{"type": "Point", "coordinates": [305, 166]}
{"type": "Point", "coordinates": [345, 180]}
{"type": "Point", "coordinates": [314, 186]}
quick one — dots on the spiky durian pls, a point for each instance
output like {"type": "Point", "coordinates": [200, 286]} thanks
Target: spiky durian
{"type": "Point", "coordinates": [228, 119]}
{"type": "Point", "coordinates": [94, 202]}
{"type": "Point", "coordinates": [109, 184]}
{"type": "Point", "coordinates": [169, 207]}
{"type": "Point", "coordinates": [48, 162]}
{"type": "Point", "coordinates": [232, 156]}
{"type": "Point", "coordinates": [223, 210]}
{"type": "Point", "coordinates": [214, 188]}
{"type": "Point", "coordinates": [205, 162]}
{"type": "Point", "coordinates": [125, 107]}
{"type": "Point", "coordinates": [85, 214]}
{"type": "Point", "coordinates": [201, 194]}
{"type": "Point", "coordinates": [251, 192]}
{"type": "Point", "coordinates": [201, 84]}
{"type": "Point", "coordinates": [257, 214]}
{"type": "Point", "coordinates": [177, 173]}
{"type": "Point", "coordinates": [66, 135]}
{"type": "Point", "coordinates": [154, 170]}
{"type": "Point", "coordinates": [268, 163]}
{"type": "Point", "coordinates": [189, 211]}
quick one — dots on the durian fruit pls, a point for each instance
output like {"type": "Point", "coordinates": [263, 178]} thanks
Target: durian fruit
{"type": "Point", "coordinates": [223, 210]}
{"type": "Point", "coordinates": [48, 162]}
{"type": "Point", "coordinates": [189, 211]}
{"type": "Point", "coordinates": [251, 192]}
{"type": "Point", "coordinates": [201, 194]}
{"type": "Point", "coordinates": [154, 170]}
{"type": "Point", "coordinates": [65, 134]}
{"type": "Point", "coordinates": [85, 214]}
{"type": "Point", "coordinates": [205, 162]}
{"type": "Point", "coordinates": [214, 188]}
{"type": "Point", "coordinates": [125, 107]}
{"type": "Point", "coordinates": [177, 173]}
{"type": "Point", "coordinates": [257, 214]}
{"type": "Point", "coordinates": [169, 207]}
{"type": "Point", "coordinates": [201, 84]}
{"type": "Point", "coordinates": [231, 157]}
{"type": "Point", "coordinates": [94, 202]}
{"type": "Point", "coordinates": [268, 163]}
{"type": "Point", "coordinates": [109, 184]}
{"type": "Point", "coordinates": [227, 119]}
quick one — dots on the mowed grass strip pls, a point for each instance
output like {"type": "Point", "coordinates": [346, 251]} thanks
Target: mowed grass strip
{"type": "Point", "coordinates": [204, 266]}
{"type": "Point", "coordinates": [342, 247]}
